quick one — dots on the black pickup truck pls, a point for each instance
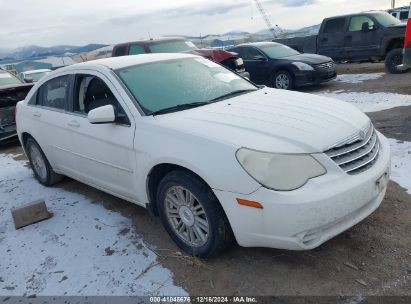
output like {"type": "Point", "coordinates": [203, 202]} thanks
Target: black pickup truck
{"type": "Point", "coordinates": [369, 36]}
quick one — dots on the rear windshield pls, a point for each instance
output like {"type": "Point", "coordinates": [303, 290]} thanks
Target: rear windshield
{"type": "Point", "coordinates": [386, 19]}
{"type": "Point", "coordinates": [276, 51]}
{"type": "Point", "coordinates": [172, 46]}
{"type": "Point", "coordinates": [7, 79]}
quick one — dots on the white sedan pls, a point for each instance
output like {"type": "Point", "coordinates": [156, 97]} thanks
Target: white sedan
{"type": "Point", "coordinates": [216, 157]}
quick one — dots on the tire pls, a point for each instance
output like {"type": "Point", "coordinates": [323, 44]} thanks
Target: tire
{"type": "Point", "coordinates": [40, 165]}
{"type": "Point", "coordinates": [393, 60]}
{"type": "Point", "coordinates": [283, 80]}
{"type": "Point", "coordinates": [210, 230]}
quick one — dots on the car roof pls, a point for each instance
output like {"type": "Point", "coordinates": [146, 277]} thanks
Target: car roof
{"type": "Point", "coordinates": [115, 63]}
{"type": "Point", "coordinates": [152, 40]}
{"type": "Point", "coordinates": [36, 71]}
{"type": "Point", "coordinates": [258, 44]}
{"type": "Point", "coordinates": [356, 14]}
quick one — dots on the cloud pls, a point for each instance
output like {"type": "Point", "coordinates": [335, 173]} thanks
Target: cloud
{"type": "Point", "coordinates": [296, 2]}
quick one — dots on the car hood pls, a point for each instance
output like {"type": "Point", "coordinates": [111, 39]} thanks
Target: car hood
{"type": "Point", "coordinates": [309, 58]}
{"type": "Point", "coordinates": [272, 120]}
{"type": "Point", "coordinates": [215, 55]}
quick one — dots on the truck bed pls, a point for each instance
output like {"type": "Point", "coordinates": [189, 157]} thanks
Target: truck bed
{"type": "Point", "coordinates": [303, 44]}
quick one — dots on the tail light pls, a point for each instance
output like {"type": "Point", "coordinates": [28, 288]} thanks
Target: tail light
{"type": "Point", "coordinates": [407, 43]}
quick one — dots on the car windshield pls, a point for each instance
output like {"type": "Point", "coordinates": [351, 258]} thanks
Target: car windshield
{"type": "Point", "coordinates": [36, 76]}
{"type": "Point", "coordinates": [174, 46]}
{"type": "Point", "coordinates": [386, 19]}
{"type": "Point", "coordinates": [8, 79]}
{"type": "Point", "coordinates": [174, 83]}
{"type": "Point", "coordinates": [276, 51]}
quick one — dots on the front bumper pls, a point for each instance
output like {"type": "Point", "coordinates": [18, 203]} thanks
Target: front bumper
{"type": "Point", "coordinates": [307, 217]}
{"type": "Point", "coordinates": [307, 78]}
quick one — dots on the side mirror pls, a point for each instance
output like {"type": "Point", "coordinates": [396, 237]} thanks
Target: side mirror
{"type": "Point", "coordinates": [365, 27]}
{"type": "Point", "coordinates": [259, 58]}
{"type": "Point", "coordinates": [101, 115]}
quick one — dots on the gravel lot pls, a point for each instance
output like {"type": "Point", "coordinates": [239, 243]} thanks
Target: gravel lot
{"type": "Point", "coordinates": [372, 258]}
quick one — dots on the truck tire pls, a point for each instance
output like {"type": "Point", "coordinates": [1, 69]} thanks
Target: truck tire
{"type": "Point", "coordinates": [393, 60]}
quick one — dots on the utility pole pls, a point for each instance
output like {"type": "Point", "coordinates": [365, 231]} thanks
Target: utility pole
{"type": "Point", "coordinates": [392, 3]}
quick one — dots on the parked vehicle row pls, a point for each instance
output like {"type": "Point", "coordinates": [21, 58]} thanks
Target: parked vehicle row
{"type": "Point", "coordinates": [12, 90]}
{"type": "Point", "coordinates": [368, 36]}
{"type": "Point", "coordinates": [219, 159]}
{"type": "Point", "coordinates": [180, 45]}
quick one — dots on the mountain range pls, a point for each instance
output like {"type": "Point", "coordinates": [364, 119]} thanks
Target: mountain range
{"type": "Point", "coordinates": [33, 51]}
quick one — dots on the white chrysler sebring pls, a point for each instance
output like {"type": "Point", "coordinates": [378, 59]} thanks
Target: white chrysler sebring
{"type": "Point", "coordinates": [216, 157]}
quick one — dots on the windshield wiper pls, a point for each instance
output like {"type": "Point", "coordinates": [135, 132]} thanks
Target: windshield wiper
{"type": "Point", "coordinates": [180, 107]}
{"type": "Point", "coordinates": [232, 94]}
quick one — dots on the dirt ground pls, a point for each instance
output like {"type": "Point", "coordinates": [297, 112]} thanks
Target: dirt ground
{"type": "Point", "coordinates": [372, 258]}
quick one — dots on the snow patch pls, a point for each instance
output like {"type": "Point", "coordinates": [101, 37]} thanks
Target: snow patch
{"type": "Point", "coordinates": [401, 163]}
{"type": "Point", "coordinates": [358, 78]}
{"type": "Point", "coordinates": [370, 102]}
{"type": "Point", "coordinates": [83, 249]}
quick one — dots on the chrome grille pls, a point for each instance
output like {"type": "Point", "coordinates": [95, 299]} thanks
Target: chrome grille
{"type": "Point", "coordinates": [328, 66]}
{"type": "Point", "coordinates": [358, 153]}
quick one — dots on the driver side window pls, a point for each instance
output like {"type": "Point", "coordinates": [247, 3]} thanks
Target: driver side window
{"type": "Point", "coordinates": [91, 92]}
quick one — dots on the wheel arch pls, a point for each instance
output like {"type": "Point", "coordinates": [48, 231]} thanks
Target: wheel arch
{"type": "Point", "coordinates": [394, 44]}
{"type": "Point", "coordinates": [154, 177]}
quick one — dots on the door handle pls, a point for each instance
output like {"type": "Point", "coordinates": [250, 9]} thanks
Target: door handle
{"type": "Point", "coordinates": [324, 39]}
{"type": "Point", "coordinates": [37, 114]}
{"type": "Point", "coordinates": [74, 123]}
{"type": "Point", "coordinates": [348, 37]}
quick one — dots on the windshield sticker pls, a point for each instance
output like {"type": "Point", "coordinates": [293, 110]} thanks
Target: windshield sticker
{"type": "Point", "coordinates": [209, 63]}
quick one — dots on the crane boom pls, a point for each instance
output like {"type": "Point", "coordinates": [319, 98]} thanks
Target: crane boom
{"type": "Point", "coordinates": [266, 19]}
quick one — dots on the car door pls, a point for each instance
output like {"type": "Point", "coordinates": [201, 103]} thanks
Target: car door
{"type": "Point", "coordinates": [103, 152]}
{"type": "Point", "coordinates": [331, 38]}
{"type": "Point", "coordinates": [255, 62]}
{"type": "Point", "coordinates": [48, 112]}
{"type": "Point", "coordinates": [360, 43]}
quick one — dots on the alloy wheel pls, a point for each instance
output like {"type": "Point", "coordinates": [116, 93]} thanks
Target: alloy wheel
{"type": "Point", "coordinates": [187, 216]}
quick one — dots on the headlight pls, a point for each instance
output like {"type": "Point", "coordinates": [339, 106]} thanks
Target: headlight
{"type": "Point", "coordinates": [281, 172]}
{"type": "Point", "coordinates": [303, 66]}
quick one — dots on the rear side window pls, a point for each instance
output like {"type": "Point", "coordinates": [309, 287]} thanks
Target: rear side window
{"type": "Point", "coordinates": [136, 49]}
{"type": "Point", "coordinates": [120, 51]}
{"type": "Point", "coordinates": [356, 23]}
{"type": "Point", "coordinates": [403, 15]}
{"type": "Point", "coordinates": [334, 25]}
{"type": "Point", "coordinates": [54, 93]}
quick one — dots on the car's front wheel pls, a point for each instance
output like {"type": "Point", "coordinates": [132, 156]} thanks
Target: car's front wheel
{"type": "Point", "coordinates": [283, 80]}
{"type": "Point", "coordinates": [40, 165]}
{"type": "Point", "coordinates": [192, 215]}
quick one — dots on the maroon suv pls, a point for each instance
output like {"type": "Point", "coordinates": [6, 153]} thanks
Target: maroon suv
{"type": "Point", "coordinates": [179, 45]}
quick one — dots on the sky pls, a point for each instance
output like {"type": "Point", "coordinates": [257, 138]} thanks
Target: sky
{"type": "Point", "coordinates": [79, 22]}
